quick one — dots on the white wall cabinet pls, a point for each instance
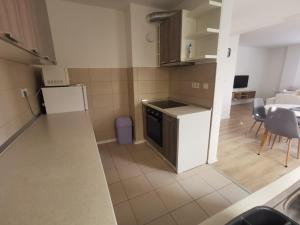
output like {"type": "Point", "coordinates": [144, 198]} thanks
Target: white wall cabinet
{"type": "Point", "coordinates": [200, 30]}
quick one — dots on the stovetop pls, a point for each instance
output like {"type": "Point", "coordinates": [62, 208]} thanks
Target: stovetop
{"type": "Point", "coordinates": [167, 104]}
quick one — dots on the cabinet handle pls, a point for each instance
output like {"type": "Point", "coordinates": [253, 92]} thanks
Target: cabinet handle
{"type": "Point", "coordinates": [46, 57]}
{"type": "Point", "coordinates": [35, 51]}
{"type": "Point", "coordinates": [10, 37]}
{"type": "Point", "coordinates": [173, 60]}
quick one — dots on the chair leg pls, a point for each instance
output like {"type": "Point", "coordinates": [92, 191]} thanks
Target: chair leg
{"type": "Point", "coordinates": [251, 128]}
{"type": "Point", "coordinates": [264, 138]}
{"type": "Point", "coordinates": [298, 153]}
{"type": "Point", "coordinates": [288, 152]}
{"type": "Point", "coordinates": [258, 129]}
{"type": "Point", "coordinates": [270, 139]}
{"type": "Point", "coordinates": [274, 141]}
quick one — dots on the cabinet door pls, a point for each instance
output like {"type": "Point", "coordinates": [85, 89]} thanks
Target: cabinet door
{"type": "Point", "coordinates": [42, 30]}
{"type": "Point", "coordinates": [27, 22]}
{"type": "Point", "coordinates": [170, 139]}
{"type": "Point", "coordinates": [164, 41]}
{"type": "Point", "coordinates": [175, 37]}
{"type": "Point", "coordinates": [10, 27]}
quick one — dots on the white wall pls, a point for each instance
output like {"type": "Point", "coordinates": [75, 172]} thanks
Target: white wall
{"type": "Point", "coordinates": [252, 62]}
{"type": "Point", "coordinates": [88, 36]}
{"type": "Point", "coordinates": [291, 73]}
{"type": "Point", "coordinates": [224, 41]}
{"type": "Point", "coordinates": [264, 67]}
{"type": "Point", "coordinates": [229, 68]}
{"type": "Point", "coordinates": [144, 53]}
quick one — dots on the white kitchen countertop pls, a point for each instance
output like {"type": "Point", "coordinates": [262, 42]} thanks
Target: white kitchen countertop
{"type": "Point", "coordinates": [52, 175]}
{"type": "Point", "coordinates": [178, 112]}
{"type": "Point", "coordinates": [258, 198]}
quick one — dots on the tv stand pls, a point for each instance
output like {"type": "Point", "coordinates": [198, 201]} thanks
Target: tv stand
{"type": "Point", "coordinates": [241, 95]}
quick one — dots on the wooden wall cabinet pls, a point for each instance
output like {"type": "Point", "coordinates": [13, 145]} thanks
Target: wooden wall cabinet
{"type": "Point", "coordinates": [170, 39]}
{"type": "Point", "coordinates": [25, 25]}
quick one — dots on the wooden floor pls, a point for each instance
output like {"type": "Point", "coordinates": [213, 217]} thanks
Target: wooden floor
{"type": "Point", "coordinates": [237, 152]}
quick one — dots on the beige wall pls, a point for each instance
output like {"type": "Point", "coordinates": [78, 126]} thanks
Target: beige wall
{"type": "Point", "coordinates": [143, 52]}
{"type": "Point", "coordinates": [88, 36]}
{"type": "Point", "coordinates": [107, 97]}
{"type": "Point", "coordinates": [14, 112]}
{"type": "Point", "coordinates": [181, 84]}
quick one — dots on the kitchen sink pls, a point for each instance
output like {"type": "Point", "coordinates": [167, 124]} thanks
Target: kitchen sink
{"type": "Point", "coordinates": [262, 215]}
{"type": "Point", "coordinates": [288, 202]}
{"type": "Point", "coordinates": [291, 206]}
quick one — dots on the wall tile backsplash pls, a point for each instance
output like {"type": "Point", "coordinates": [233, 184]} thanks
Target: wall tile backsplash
{"type": "Point", "coordinates": [107, 96]}
{"type": "Point", "coordinates": [14, 112]}
{"type": "Point", "coordinates": [114, 92]}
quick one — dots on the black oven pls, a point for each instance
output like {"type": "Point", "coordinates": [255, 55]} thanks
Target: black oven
{"type": "Point", "coordinates": [154, 124]}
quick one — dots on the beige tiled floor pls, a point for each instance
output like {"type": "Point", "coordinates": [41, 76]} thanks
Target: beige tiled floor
{"type": "Point", "coordinates": [145, 190]}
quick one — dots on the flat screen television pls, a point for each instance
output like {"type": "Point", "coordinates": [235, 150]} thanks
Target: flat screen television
{"type": "Point", "coordinates": [241, 81]}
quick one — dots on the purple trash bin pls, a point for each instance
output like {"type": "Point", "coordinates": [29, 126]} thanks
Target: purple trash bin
{"type": "Point", "coordinates": [124, 130]}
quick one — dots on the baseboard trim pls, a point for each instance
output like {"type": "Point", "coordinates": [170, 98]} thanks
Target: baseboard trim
{"type": "Point", "coordinates": [139, 142]}
{"type": "Point", "coordinates": [106, 141]}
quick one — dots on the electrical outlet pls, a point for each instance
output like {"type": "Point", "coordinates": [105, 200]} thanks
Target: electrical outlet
{"type": "Point", "coordinates": [205, 86]}
{"type": "Point", "coordinates": [24, 92]}
{"type": "Point", "coordinates": [195, 85]}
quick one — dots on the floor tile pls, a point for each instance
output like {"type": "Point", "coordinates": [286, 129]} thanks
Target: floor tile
{"type": "Point", "coordinates": [233, 193]}
{"type": "Point", "coordinates": [174, 196]}
{"type": "Point", "coordinates": [107, 161]}
{"type": "Point", "coordinates": [153, 165]}
{"type": "Point", "coordinates": [123, 159]}
{"type": "Point", "coordinates": [129, 171]}
{"type": "Point", "coordinates": [159, 179]}
{"type": "Point", "coordinates": [124, 214]}
{"type": "Point", "coordinates": [112, 175]}
{"type": "Point", "coordinates": [214, 178]}
{"type": "Point", "coordinates": [213, 203]}
{"type": "Point", "coordinates": [164, 220]}
{"type": "Point", "coordinates": [196, 187]}
{"type": "Point", "coordinates": [185, 175]}
{"type": "Point", "coordinates": [136, 186]}
{"type": "Point", "coordinates": [144, 155]}
{"type": "Point", "coordinates": [190, 214]}
{"type": "Point", "coordinates": [117, 193]}
{"type": "Point", "coordinates": [147, 207]}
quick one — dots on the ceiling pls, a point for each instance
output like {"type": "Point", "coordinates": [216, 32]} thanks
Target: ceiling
{"type": "Point", "coordinates": [274, 36]}
{"type": "Point", "coordinates": [267, 23]}
{"type": "Point", "coordinates": [121, 4]}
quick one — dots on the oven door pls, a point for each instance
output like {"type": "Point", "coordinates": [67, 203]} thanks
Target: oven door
{"type": "Point", "coordinates": [154, 129]}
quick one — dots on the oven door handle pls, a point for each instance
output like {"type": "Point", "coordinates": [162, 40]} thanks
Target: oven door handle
{"type": "Point", "coordinates": [153, 118]}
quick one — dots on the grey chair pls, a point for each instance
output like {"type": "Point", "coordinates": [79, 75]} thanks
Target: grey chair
{"type": "Point", "coordinates": [258, 114]}
{"type": "Point", "coordinates": [283, 123]}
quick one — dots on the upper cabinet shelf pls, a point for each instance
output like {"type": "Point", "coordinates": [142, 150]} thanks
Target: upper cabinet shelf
{"type": "Point", "coordinates": [202, 33]}
{"type": "Point", "coordinates": [25, 34]}
{"type": "Point", "coordinates": [191, 36]}
{"type": "Point", "coordinates": [205, 7]}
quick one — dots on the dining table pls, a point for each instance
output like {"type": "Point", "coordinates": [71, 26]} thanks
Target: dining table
{"type": "Point", "coordinates": [293, 107]}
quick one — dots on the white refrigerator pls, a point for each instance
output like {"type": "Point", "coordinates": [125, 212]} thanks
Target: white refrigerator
{"type": "Point", "coordinates": [65, 99]}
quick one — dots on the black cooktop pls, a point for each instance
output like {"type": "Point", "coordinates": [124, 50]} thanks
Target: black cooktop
{"type": "Point", "coordinates": [167, 104]}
